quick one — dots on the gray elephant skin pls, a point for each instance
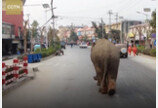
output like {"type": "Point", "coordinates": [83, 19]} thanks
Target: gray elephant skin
{"type": "Point", "coordinates": [105, 57]}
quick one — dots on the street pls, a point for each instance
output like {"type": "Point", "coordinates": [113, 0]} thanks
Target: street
{"type": "Point", "coordinates": [67, 82]}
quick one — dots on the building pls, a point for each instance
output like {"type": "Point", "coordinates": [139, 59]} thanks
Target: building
{"type": "Point", "coordinates": [116, 26]}
{"type": "Point", "coordinates": [139, 33]}
{"type": "Point", "coordinates": [81, 31]}
{"type": "Point", "coordinates": [63, 33]}
{"type": "Point", "coordinates": [86, 32]}
{"type": "Point", "coordinates": [12, 30]}
{"type": "Point", "coordinates": [123, 27]}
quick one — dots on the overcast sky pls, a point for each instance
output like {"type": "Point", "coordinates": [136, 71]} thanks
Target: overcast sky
{"type": "Point", "coordinates": [83, 12]}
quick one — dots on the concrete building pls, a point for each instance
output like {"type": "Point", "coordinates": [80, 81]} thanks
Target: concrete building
{"type": "Point", "coordinates": [81, 31]}
{"type": "Point", "coordinates": [86, 31]}
{"type": "Point", "coordinates": [12, 30]}
{"type": "Point", "coordinates": [123, 27]}
{"type": "Point", "coordinates": [139, 33]}
{"type": "Point", "coordinates": [64, 33]}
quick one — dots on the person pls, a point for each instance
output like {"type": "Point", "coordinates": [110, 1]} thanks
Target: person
{"type": "Point", "coordinates": [71, 44]}
{"type": "Point", "coordinates": [18, 52]}
{"type": "Point", "coordinates": [114, 42]}
{"type": "Point", "coordinates": [129, 50]}
{"type": "Point", "coordinates": [88, 43]}
{"type": "Point", "coordinates": [134, 50]}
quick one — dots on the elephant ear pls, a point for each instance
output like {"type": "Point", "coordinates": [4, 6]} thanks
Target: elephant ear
{"type": "Point", "coordinates": [93, 44]}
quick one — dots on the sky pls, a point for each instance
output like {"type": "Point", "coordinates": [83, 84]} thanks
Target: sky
{"type": "Point", "coordinates": [82, 12]}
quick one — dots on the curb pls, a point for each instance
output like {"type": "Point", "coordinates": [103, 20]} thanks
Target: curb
{"type": "Point", "coordinates": [15, 85]}
{"type": "Point", "coordinates": [141, 54]}
{"type": "Point", "coordinates": [48, 57]}
{"type": "Point", "coordinates": [19, 83]}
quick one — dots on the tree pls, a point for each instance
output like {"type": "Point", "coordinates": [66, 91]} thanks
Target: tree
{"type": "Point", "coordinates": [85, 38]}
{"type": "Point", "coordinates": [34, 29]}
{"type": "Point", "coordinates": [34, 32]}
{"type": "Point", "coordinates": [73, 35]}
{"type": "Point", "coordinates": [100, 30]}
{"type": "Point", "coordinates": [153, 21]}
{"type": "Point", "coordinates": [115, 34]}
{"type": "Point", "coordinates": [50, 36]}
{"type": "Point", "coordinates": [25, 36]}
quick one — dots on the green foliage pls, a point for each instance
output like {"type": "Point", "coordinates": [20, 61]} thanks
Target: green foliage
{"type": "Point", "coordinates": [50, 35]}
{"type": "Point", "coordinates": [100, 30]}
{"type": "Point", "coordinates": [73, 35]}
{"type": "Point", "coordinates": [85, 38]}
{"type": "Point", "coordinates": [37, 50]}
{"type": "Point", "coordinates": [147, 51]}
{"type": "Point", "coordinates": [34, 28]}
{"type": "Point", "coordinates": [153, 21]}
{"type": "Point", "coordinates": [34, 24]}
{"type": "Point", "coordinates": [46, 52]}
{"type": "Point", "coordinates": [153, 52]}
{"type": "Point", "coordinates": [140, 49]}
{"type": "Point", "coordinates": [115, 35]}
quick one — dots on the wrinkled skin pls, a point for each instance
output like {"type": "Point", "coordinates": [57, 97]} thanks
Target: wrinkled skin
{"type": "Point", "coordinates": [105, 57]}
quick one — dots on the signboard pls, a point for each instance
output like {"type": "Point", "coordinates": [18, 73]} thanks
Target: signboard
{"type": "Point", "coordinates": [13, 7]}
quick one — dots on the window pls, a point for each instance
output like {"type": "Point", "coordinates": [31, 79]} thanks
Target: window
{"type": "Point", "coordinates": [2, 30]}
{"type": "Point", "coordinates": [6, 29]}
{"type": "Point", "coordinates": [19, 31]}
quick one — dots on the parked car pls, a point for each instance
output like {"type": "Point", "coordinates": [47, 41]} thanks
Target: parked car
{"type": "Point", "coordinates": [123, 50]}
{"type": "Point", "coordinates": [83, 45]}
{"type": "Point", "coordinates": [63, 44]}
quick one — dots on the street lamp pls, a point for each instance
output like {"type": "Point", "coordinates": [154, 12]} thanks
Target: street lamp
{"type": "Point", "coordinates": [147, 10]}
{"type": "Point", "coordinates": [45, 5]}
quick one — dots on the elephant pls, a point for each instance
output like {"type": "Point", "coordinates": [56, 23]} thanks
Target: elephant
{"type": "Point", "coordinates": [105, 57]}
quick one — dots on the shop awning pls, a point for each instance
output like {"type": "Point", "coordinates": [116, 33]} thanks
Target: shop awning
{"type": "Point", "coordinates": [131, 35]}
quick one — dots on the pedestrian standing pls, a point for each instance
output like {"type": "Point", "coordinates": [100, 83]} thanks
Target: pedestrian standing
{"type": "Point", "coordinates": [71, 45]}
{"type": "Point", "coordinates": [134, 50]}
{"type": "Point", "coordinates": [129, 50]}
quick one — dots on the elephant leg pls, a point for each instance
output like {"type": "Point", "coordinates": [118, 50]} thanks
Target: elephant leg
{"type": "Point", "coordinates": [99, 75]}
{"type": "Point", "coordinates": [103, 88]}
{"type": "Point", "coordinates": [111, 85]}
{"type": "Point", "coordinates": [96, 69]}
{"type": "Point", "coordinates": [112, 76]}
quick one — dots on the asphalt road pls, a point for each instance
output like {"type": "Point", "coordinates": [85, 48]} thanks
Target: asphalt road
{"type": "Point", "coordinates": [67, 82]}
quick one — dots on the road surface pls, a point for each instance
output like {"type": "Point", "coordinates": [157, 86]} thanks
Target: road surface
{"type": "Point", "coordinates": [67, 82]}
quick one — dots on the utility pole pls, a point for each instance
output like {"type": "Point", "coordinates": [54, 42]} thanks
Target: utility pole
{"type": "Point", "coordinates": [121, 23]}
{"type": "Point", "coordinates": [116, 19]}
{"type": "Point", "coordinates": [53, 16]}
{"type": "Point", "coordinates": [110, 13]}
{"type": "Point", "coordinates": [102, 27]}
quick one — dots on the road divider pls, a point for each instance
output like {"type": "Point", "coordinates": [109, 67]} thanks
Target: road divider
{"type": "Point", "coordinates": [12, 73]}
